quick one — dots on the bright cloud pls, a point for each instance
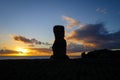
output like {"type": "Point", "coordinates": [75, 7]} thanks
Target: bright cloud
{"type": "Point", "coordinates": [70, 22]}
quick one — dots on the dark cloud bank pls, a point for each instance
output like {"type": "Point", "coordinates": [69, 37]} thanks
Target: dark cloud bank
{"type": "Point", "coordinates": [93, 36]}
{"type": "Point", "coordinates": [32, 41]}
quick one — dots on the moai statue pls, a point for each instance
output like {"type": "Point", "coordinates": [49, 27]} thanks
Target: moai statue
{"type": "Point", "coordinates": [59, 46]}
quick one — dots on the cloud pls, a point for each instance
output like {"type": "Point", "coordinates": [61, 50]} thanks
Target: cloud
{"type": "Point", "coordinates": [91, 37]}
{"type": "Point", "coordinates": [71, 22]}
{"type": "Point", "coordinates": [42, 51]}
{"type": "Point", "coordinates": [102, 10]}
{"type": "Point", "coordinates": [31, 42]}
{"type": "Point", "coordinates": [33, 51]}
{"type": "Point", "coordinates": [2, 51]}
{"type": "Point", "coordinates": [22, 39]}
{"type": "Point", "coordinates": [76, 47]}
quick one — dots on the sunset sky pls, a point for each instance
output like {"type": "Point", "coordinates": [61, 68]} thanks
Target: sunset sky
{"type": "Point", "coordinates": [89, 24]}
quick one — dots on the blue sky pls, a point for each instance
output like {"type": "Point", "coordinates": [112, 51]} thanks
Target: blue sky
{"type": "Point", "coordinates": [36, 18]}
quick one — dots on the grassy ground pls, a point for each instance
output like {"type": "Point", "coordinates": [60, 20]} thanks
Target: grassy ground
{"type": "Point", "coordinates": [77, 69]}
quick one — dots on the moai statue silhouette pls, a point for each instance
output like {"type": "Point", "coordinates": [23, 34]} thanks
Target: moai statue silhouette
{"type": "Point", "coordinates": [59, 46]}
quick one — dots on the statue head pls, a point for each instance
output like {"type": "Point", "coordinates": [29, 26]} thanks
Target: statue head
{"type": "Point", "coordinates": [59, 31]}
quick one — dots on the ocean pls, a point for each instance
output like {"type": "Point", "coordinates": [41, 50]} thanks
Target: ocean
{"type": "Point", "coordinates": [30, 57]}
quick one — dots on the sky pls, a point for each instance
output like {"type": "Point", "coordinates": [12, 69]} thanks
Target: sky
{"type": "Point", "coordinates": [89, 24]}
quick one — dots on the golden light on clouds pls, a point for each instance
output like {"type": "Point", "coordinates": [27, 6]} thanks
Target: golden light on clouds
{"type": "Point", "coordinates": [70, 22]}
{"type": "Point", "coordinates": [73, 38]}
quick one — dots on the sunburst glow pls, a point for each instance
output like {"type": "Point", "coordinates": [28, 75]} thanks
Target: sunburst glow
{"type": "Point", "coordinates": [22, 51]}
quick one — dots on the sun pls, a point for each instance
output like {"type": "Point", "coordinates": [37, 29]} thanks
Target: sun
{"type": "Point", "coordinates": [22, 50]}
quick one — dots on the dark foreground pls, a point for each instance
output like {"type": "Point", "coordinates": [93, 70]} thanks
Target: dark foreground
{"type": "Point", "coordinates": [77, 69]}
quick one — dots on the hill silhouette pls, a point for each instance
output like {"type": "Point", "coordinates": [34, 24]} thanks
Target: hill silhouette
{"type": "Point", "coordinates": [102, 54]}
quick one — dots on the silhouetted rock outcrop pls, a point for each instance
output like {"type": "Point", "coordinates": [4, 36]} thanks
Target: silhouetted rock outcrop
{"type": "Point", "coordinates": [104, 53]}
{"type": "Point", "coordinates": [59, 46]}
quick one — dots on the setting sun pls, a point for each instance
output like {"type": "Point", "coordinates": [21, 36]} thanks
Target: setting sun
{"type": "Point", "coordinates": [22, 50]}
